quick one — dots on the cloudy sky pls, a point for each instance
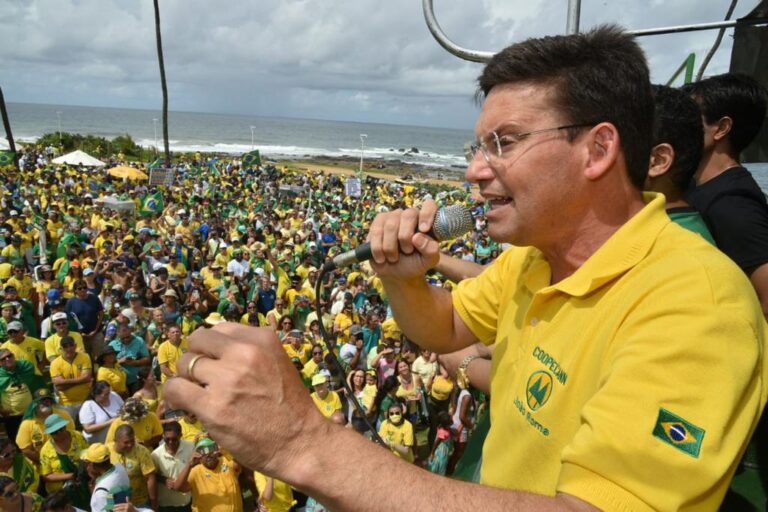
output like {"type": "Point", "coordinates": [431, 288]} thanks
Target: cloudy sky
{"type": "Point", "coordinates": [355, 60]}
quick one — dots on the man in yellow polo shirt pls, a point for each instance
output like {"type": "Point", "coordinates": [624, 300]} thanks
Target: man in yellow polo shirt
{"type": "Point", "coordinates": [170, 351]}
{"type": "Point", "coordinates": [137, 461]}
{"type": "Point", "coordinates": [327, 401]}
{"type": "Point", "coordinates": [72, 374]}
{"type": "Point", "coordinates": [212, 478]}
{"type": "Point", "coordinates": [60, 323]}
{"type": "Point", "coordinates": [610, 322]}
{"type": "Point", "coordinates": [25, 347]}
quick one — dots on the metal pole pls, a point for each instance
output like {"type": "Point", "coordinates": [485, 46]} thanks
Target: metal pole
{"type": "Point", "coordinates": [698, 26]}
{"type": "Point", "coordinates": [252, 128]}
{"type": "Point", "coordinates": [363, 136]}
{"type": "Point", "coordinates": [574, 15]}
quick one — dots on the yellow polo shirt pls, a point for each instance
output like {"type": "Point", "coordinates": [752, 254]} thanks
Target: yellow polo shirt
{"type": "Point", "coordinates": [116, 377]}
{"type": "Point", "coordinates": [303, 352]}
{"type": "Point", "coordinates": [138, 464]}
{"type": "Point", "coordinates": [30, 349]}
{"type": "Point", "coordinates": [282, 493]}
{"type": "Point", "coordinates": [329, 405]}
{"type": "Point", "coordinates": [398, 434]}
{"type": "Point", "coordinates": [606, 382]}
{"type": "Point", "coordinates": [216, 490]}
{"type": "Point", "coordinates": [50, 463]}
{"type": "Point", "coordinates": [169, 354]}
{"type": "Point", "coordinates": [60, 367]}
{"type": "Point", "coordinates": [53, 344]}
{"type": "Point", "coordinates": [145, 429]}
{"type": "Point", "coordinates": [32, 431]}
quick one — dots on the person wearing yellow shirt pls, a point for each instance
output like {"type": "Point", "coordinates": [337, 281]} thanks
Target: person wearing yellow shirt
{"type": "Point", "coordinates": [60, 454]}
{"type": "Point", "coordinates": [397, 433]}
{"type": "Point", "coordinates": [214, 282]}
{"type": "Point", "coordinates": [31, 436]}
{"type": "Point", "coordinates": [297, 289]}
{"type": "Point", "coordinates": [137, 461]}
{"type": "Point", "coordinates": [312, 366]}
{"type": "Point", "coordinates": [274, 495]}
{"type": "Point", "coordinates": [295, 346]}
{"type": "Point", "coordinates": [170, 351]}
{"type": "Point", "coordinates": [327, 401]}
{"type": "Point", "coordinates": [72, 374]}
{"type": "Point", "coordinates": [191, 428]}
{"type": "Point", "coordinates": [175, 267]}
{"type": "Point", "coordinates": [60, 323]}
{"type": "Point", "coordinates": [18, 467]}
{"type": "Point", "coordinates": [22, 283]}
{"type": "Point", "coordinates": [146, 425]}
{"type": "Point", "coordinates": [6, 269]}
{"type": "Point", "coordinates": [13, 252]}
{"type": "Point", "coordinates": [111, 371]}
{"type": "Point", "coordinates": [212, 478]}
{"type": "Point", "coordinates": [25, 347]}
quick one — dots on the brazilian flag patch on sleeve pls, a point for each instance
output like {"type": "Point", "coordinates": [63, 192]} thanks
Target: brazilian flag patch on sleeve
{"type": "Point", "coordinates": [677, 432]}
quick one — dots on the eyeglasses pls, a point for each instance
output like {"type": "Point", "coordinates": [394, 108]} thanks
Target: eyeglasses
{"type": "Point", "coordinates": [494, 145]}
{"type": "Point", "coordinates": [13, 331]}
{"type": "Point", "coordinates": [78, 288]}
{"type": "Point", "coordinates": [11, 493]}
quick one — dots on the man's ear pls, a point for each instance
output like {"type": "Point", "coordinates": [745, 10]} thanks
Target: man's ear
{"type": "Point", "coordinates": [603, 146]}
{"type": "Point", "coordinates": [662, 156]}
{"type": "Point", "coordinates": [724, 127]}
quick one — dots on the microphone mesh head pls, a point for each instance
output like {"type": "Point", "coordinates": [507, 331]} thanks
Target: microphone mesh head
{"type": "Point", "coordinates": [452, 222]}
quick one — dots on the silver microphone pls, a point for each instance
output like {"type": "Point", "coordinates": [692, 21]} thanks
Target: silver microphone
{"type": "Point", "coordinates": [450, 222]}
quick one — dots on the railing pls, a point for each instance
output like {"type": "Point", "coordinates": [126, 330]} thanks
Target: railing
{"type": "Point", "coordinates": [571, 27]}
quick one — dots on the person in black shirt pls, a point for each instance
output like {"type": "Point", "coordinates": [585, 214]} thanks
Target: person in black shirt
{"type": "Point", "coordinates": [733, 107]}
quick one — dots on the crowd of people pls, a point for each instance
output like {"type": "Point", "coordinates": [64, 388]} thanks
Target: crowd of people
{"type": "Point", "coordinates": [100, 291]}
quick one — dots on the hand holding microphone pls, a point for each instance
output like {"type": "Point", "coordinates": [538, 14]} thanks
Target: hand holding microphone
{"type": "Point", "coordinates": [404, 243]}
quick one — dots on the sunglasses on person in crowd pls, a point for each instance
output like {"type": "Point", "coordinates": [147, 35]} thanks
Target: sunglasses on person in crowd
{"type": "Point", "coordinates": [6, 358]}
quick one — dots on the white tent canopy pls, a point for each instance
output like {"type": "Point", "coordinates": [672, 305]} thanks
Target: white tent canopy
{"type": "Point", "coordinates": [79, 158]}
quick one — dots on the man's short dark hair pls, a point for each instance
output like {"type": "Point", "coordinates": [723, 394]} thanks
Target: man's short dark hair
{"type": "Point", "coordinates": [172, 426]}
{"type": "Point", "coordinates": [733, 95]}
{"type": "Point", "coordinates": [597, 76]}
{"type": "Point", "coordinates": [678, 123]}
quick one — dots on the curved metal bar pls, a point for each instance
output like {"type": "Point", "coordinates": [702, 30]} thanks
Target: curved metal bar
{"type": "Point", "coordinates": [440, 37]}
{"type": "Point", "coordinates": [698, 26]}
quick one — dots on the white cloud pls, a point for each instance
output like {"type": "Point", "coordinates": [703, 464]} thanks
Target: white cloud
{"type": "Point", "coordinates": [364, 60]}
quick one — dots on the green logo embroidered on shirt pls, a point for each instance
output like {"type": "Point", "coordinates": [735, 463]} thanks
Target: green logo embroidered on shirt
{"type": "Point", "coordinates": [677, 432]}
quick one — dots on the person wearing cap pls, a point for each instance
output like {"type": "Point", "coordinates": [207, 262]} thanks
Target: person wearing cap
{"type": "Point", "coordinates": [351, 352]}
{"type": "Point", "coordinates": [297, 289]}
{"type": "Point", "coordinates": [59, 458]}
{"type": "Point", "coordinates": [214, 282]}
{"type": "Point", "coordinates": [212, 478]}
{"type": "Point", "coordinates": [89, 312]}
{"type": "Point", "coordinates": [111, 483]}
{"type": "Point", "coordinates": [31, 436]}
{"type": "Point", "coordinates": [44, 282]}
{"type": "Point", "coordinates": [189, 319]}
{"type": "Point", "coordinates": [23, 309]}
{"type": "Point", "coordinates": [170, 351]}
{"type": "Point", "coordinates": [171, 307]}
{"type": "Point", "coordinates": [60, 323]}
{"type": "Point", "coordinates": [132, 352]}
{"type": "Point", "coordinates": [111, 372]}
{"type": "Point", "coordinates": [327, 401]}
{"type": "Point", "coordinates": [137, 460]}
{"type": "Point", "coordinates": [146, 425]}
{"type": "Point", "coordinates": [72, 374]}
{"type": "Point", "coordinates": [23, 347]}
{"type": "Point", "coordinates": [170, 458]}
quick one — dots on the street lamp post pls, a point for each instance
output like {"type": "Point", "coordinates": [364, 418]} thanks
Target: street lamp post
{"type": "Point", "coordinates": [252, 129]}
{"type": "Point", "coordinates": [58, 116]}
{"type": "Point", "coordinates": [154, 122]}
{"type": "Point", "coordinates": [363, 136]}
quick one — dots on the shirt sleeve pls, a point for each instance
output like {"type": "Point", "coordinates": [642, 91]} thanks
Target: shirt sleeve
{"type": "Point", "coordinates": [87, 413]}
{"type": "Point", "coordinates": [147, 465]}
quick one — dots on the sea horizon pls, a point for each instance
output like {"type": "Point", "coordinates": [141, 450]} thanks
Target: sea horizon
{"type": "Point", "coordinates": [275, 137]}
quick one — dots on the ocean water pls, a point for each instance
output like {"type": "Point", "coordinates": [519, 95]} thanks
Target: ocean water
{"type": "Point", "coordinates": [231, 134]}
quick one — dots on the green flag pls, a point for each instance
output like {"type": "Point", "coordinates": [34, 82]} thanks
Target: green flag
{"type": "Point", "coordinates": [152, 204]}
{"type": "Point", "coordinates": [252, 158]}
{"type": "Point", "coordinates": [155, 165]}
{"type": "Point", "coordinates": [65, 241]}
{"type": "Point", "coordinates": [6, 158]}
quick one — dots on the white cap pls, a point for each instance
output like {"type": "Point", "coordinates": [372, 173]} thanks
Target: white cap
{"type": "Point", "coordinates": [58, 316]}
{"type": "Point", "coordinates": [14, 213]}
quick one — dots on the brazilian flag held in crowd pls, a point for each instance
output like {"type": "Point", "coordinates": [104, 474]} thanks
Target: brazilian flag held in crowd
{"type": "Point", "coordinates": [251, 159]}
{"type": "Point", "coordinates": [152, 204]}
{"type": "Point", "coordinates": [6, 158]}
